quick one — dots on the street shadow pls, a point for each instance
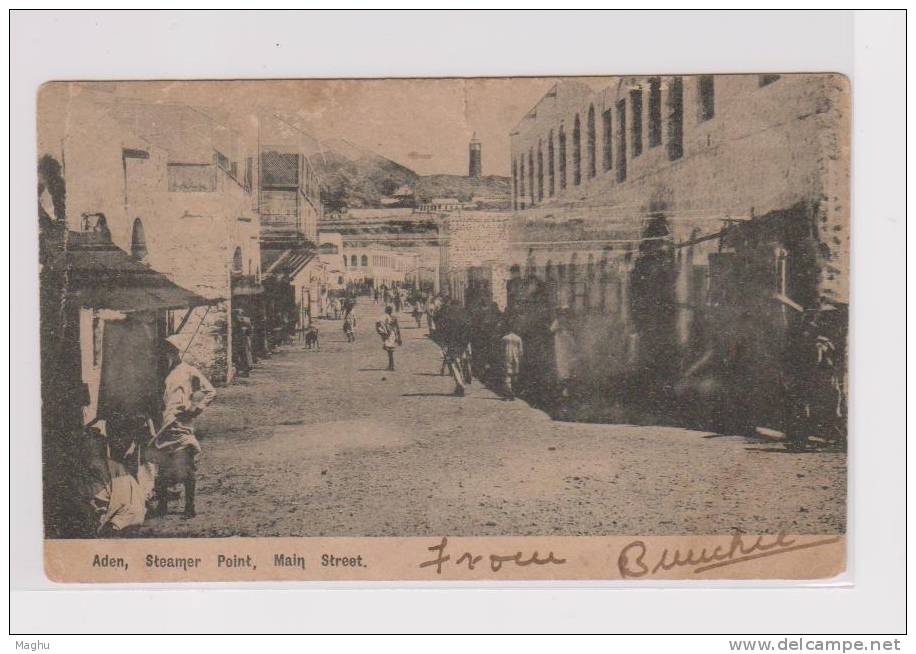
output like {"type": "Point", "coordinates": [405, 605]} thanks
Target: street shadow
{"type": "Point", "coordinates": [793, 450]}
{"type": "Point", "coordinates": [782, 450]}
{"type": "Point", "coordinates": [429, 374]}
{"type": "Point", "coordinates": [374, 370]}
{"type": "Point", "coordinates": [429, 395]}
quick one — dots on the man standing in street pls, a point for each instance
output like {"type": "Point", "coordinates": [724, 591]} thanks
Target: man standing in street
{"type": "Point", "coordinates": [456, 334]}
{"type": "Point", "coordinates": [512, 359]}
{"type": "Point", "coordinates": [175, 448]}
{"type": "Point", "coordinates": [565, 356]}
{"type": "Point", "coordinates": [349, 326]}
{"type": "Point", "coordinates": [390, 332]}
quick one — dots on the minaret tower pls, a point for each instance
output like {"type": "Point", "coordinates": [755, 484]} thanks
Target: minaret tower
{"type": "Point", "coordinates": [475, 169]}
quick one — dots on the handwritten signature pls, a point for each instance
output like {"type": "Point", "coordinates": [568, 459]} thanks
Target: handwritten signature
{"type": "Point", "coordinates": [636, 561]}
{"type": "Point", "coordinates": [496, 560]}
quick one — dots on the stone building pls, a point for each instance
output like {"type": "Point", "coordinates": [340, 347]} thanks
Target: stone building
{"type": "Point", "coordinates": [174, 189]}
{"type": "Point", "coordinates": [696, 230]}
{"type": "Point", "coordinates": [474, 255]}
{"type": "Point", "coordinates": [377, 265]}
{"type": "Point", "coordinates": [404, 238]}
{"type": "Point", "coordinates": [289, 203]}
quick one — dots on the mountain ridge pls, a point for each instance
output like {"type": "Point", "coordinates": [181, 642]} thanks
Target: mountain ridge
{"type": "Point", "coordinates": [354, 176]}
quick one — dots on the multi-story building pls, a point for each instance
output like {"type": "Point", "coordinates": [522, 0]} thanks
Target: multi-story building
{"type": "Point", "coordinates": [404, 237]}
{"type": "Point", "coordinates": [330, 251]}
{"type": "Point", "coordinates": [174, 189]}
{"type": "Point", "coordinates": [375, 266]}
{"type": "Point", "coordinates": [289, 202]}
{"type": "Point", "coordinates": [694, 227]}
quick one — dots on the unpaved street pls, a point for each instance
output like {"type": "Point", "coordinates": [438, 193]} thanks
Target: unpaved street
{"type": "Point", "coordinates": [330, 444]}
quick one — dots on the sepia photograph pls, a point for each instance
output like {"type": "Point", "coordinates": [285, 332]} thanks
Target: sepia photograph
{"type": "Point", "coordinates": [567, 309]}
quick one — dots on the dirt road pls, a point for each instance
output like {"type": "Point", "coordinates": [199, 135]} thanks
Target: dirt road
{"type": "Point", "coordinates": [330, 444]}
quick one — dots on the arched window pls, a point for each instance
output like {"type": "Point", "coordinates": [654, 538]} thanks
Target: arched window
{"type": "Point", "coordinates": [592, 169]}
{"type": "Point", "coordinates": [365, 261]}
{"type": "Point", "coordinates": [353, 260]}
{"type": "Point", "coordinates": [540, 172]}
{"type": "Point", "coordinates": [514, 183]}
{"type": "Point", "coordinates": [551, 188]}
{"type": "Point", "coordinates": [562, 143]}
{"type": "Point", "coordinates": [577, 152]}
{"type": "Point", "coordinates": [345, 260]}
{"type": "Point", "coordinates": [237, 261]}
{"type": "Point", "coordinates": [521, 182]}
{"type": "Point", "coordinates": [531, 174]}
{"type": "Point", "coordinates": [138, 241]}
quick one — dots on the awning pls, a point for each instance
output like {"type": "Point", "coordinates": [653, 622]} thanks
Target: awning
{"type": "Point", "coordinates": [129, 299]}
{"type": "Point", "coordinates": [290, 263]}
{"type": "Point", "coordinates": [105, 277]}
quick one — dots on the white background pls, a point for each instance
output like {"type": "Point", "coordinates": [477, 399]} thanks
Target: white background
{"type": "Point", "coordinates": [869, 48]}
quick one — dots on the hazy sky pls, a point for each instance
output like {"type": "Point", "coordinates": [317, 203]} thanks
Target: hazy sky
{"type": "Point", "coordinates": [424, 124]}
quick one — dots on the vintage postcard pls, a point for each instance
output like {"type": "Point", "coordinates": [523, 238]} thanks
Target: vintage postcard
{"type": "Point", "coordinates": [445, 329]}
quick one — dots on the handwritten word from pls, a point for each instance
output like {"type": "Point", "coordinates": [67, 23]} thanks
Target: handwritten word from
{"type": "Point", "coordinates": [496, 560]}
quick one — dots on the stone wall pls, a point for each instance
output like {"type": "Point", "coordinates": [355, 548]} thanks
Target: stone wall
{"type": "Point", "coordinates": [766, 148]}
{"type": "Point", "coordinates": [476, 240]}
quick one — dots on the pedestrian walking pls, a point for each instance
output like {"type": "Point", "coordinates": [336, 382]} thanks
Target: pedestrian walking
{"type": "Point", "coordinates": [349, 327]}
{"type": "Point", "coordinates": [390, 332]}
{"type": "Point", "coordinates": [453, 325]}
{"type": "Point", "coordinates": [512, 360]}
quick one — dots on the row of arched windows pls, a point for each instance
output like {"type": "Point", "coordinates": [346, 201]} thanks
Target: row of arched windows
{"type": "Point", "coordinates": [357, 261]}
{"type": "Point", "coordinates": [627, 134]}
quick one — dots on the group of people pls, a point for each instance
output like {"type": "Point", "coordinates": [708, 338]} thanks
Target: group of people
{"type": "Point", "coordinates": [395, 296]}
{"type": "Point", "coordinates": [479, 341]}
{"type": "Point", "coordinates": [473, 344]}
{"type": "Point", "coordinates": [136, 459]}
{"type": "Point", "coordinates": [339, 308]}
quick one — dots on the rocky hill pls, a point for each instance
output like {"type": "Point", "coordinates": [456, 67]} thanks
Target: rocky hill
{"type": "Point", "coordinates": [357, 177]}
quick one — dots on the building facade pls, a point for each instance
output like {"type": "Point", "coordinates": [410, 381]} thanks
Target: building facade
{"type": "Point", "coordinates": [174, 189]}
{"type": "Point", "coordinates": [375, 266]}
{"type": "Point", "coordinates": [695, 230]}
{"type": "Point", "coordinates": [289, 204]}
